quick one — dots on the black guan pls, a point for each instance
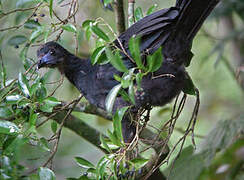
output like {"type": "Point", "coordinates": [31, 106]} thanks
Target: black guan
{"type": "Point", "coordinates": [173, 29]}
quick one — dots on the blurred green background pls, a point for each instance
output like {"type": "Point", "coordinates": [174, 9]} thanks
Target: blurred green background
{"type": "Point", "coordinates": [221, 95]}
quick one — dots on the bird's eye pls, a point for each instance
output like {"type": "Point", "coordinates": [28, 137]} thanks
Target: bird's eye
{"type": "Point", "coordinates": [52, 52]}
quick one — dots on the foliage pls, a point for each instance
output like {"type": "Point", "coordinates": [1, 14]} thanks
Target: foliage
{"type": "Point", "coordinates": [25, 100]}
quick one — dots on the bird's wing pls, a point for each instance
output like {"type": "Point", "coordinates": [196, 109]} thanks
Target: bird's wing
{"type": "Point", "coordinates": [153, 30]}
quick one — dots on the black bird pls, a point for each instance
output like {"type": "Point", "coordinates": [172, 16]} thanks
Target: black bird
{"type": "Point", "coordinates": [173, 28]}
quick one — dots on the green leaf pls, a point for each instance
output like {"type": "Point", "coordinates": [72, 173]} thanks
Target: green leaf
{"type": "Point", "coordinates": [139, 77]}
{"type": "Point", "coordinates": [52, 101]}
{"type": "Point", "coordinates": [12, 99]}
{"type": "Point", "coordinates": [117, 118]}
{"type": "Point", "coordinates": [23, 84]}
{"type": "Point", "coordinates": [54, 126]}
{"type": "Point", "coordinates": [97, 54]}
{"type": "Point", "coordinates": [31, 24]}
{"type": "Point", "coordinates": [46, 174]}
{"type": "Point", "coordinates": [84, 163]}
{"type": "Point", "coordinates": [124, 95]}
{"type": "Point", "coordinates": [189, 87]}
{"type": "Point", "coordinates": [46, 108]}
{"type": "Point", "coordinates": [51, 8]}
{"type": "Point", "coordinates": [113, 138]}
{"type": "Point", "coordinates": [41, 92]}
{"type": "Point", "coordinates": [187, 167]}
{"type": "Point", "coordinates": [88, 33]}
{"type": "Point", "coordinates": [100, 169]}
{"type": "Point", "coordinates": [154, 62]}
{"type": "Point", "coordinates": [139, 162]}
{"type": "Point", "coordinates": [138, 13]}
{"type": "Point", "coordinates": [69, 28]}
{"type": "Point", "coordinates": [110, 99]}
{"type": "Point", "coordinates": [106, 2]}
{"type": "Point", "coordinates": [17, 40]}
{"type": "Point", "coordinates": [134, 47]}
{"type": "Point", "coordinates": [33, 118]}
{"type": "Point", "coordinates": [35, 34]}
{"type": "Point", "coordinates": [104, 144]}
{"type": "Point", "coordinates": [116, 60]}
{"type": "Point", "coordinates": [7, 127]}
{"type": "Point", "coordinates": [96, 30]}
{"type": "Point", "coordinates": [87, 24]}
{"type": "Point", "coordinates": [152, 9]}
{"type": "Point", "coordinates": [117, 78]}
{"type": "Point", "coordinates": [44, 144]}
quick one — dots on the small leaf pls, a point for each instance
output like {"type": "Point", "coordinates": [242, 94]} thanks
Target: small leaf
{"type": "Point", "coordinates": [51, 8]}
{"type": "Point", "coordinates": [46, 174]}
{"type": "Point", "coordinates": [154, 62]}
{"type": "Point", "coordinates": [138, 14]}
{"type": "Point", "coordinates": [52, 101]}
{"type": "Point", "coordinates": [189, 87]}
{"type": "Point", "coordinates": [7, 127]}
{"type": "Point", "coordinates": [152, 9]}
{"type": "Point", "coordinates": [87, 23]}
{"type": "Point", "coordinates": [132, 93]}
{"type": "Point", "coordinates": [17, 40]}
{"type": "Point", "coordinates": [54, 126]}
{"type": "Point", "coordinates": [31, 24]}
{"type": "Point", "coordinates": [117, 78]}
{"type": "Point", "coordinates": [33, 118]}
{"type": "Point", "coordinates": [117, 118]}
{"type": "Point", "coordinates": [13, 99]}
{"type": "Point", "coordinates": [35, 34]}
{"type": "Point", "coordinates": [96, 30]}
{"type": "Point", "coordinates": [44, 144]}
{"type": "Point", "coordinates": [23, 84]}
{"type": "Point", "coordinates": [134, 46]}
{"type": "Point", "coordinates": [107, 2]}
{"type": "Point", "coordinates": [88, 33]}
{"type": "Point", "coordinates": [116, 60]}
{"type": "Point", "coordinates": [69, 28]}
{"type": "Point", "coordinates": [41, 92]}
{"type": "Point", "coordinates": [110, 99]}
{"type": "Point", "coordinates": [49, 103]}
{"type": "Point", "coordinates": [104, 144]}
{"type": "Point", "coordinates": [113, 138]}
{"type": "Point", "coordinates": [46, 108]}
{"type": "Point", "coordinates": [84, 163]}
{"type": "Point", "coordinates": [97, 54]}
{"type": "Point", "coordinates": [139, 77]}
{"type": "Point", "coordinates": [139, 162]}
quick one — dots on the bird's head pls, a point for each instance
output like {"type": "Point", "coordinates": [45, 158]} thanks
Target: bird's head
{"type": "Point", "coordinates": [50, 55]}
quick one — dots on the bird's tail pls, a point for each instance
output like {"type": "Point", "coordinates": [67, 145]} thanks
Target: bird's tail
{"type": "Point", "coordinates": [192, 15]}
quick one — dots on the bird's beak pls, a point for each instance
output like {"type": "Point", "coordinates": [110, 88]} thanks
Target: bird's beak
{"type": "Point", "coordinates": [42, 62]}
{"type": "Point", "coordinates": [46, 61]}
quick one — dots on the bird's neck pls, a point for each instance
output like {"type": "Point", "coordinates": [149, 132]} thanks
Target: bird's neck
{"type": "Point", "coordinates": [75, 68]}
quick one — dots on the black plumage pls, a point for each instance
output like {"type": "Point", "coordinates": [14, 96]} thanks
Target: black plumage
{"type": "Point", "coordinates": [172, 28]}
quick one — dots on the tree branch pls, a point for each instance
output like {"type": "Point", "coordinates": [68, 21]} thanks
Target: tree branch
{"type": "Point", "coordinates": [119, 15]}
{"type": "Point", "coordinates": [92, 135]}
{"type": "Point", "coordinates": [131, 17]}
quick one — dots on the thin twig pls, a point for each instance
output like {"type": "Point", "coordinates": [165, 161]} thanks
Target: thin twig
{"type": "Point", "coordinates": [131, 17]}
{"type": "Point", "coordinates": [119, 15]}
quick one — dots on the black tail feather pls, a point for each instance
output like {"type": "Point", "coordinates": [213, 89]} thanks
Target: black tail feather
{"type": "Point", "coordinates": [192, 15]}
